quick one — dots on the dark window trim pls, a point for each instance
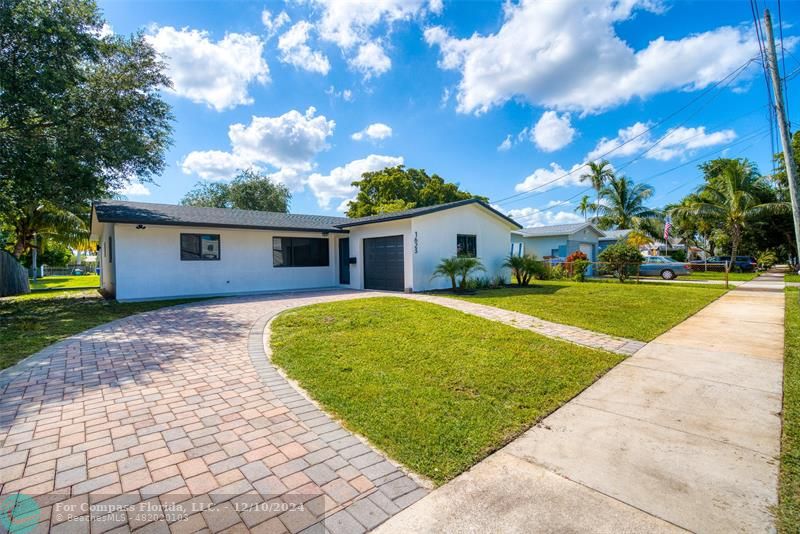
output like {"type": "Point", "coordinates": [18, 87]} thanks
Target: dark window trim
{"type": "Point", "coordinates": [201, 258]}
{"type": "Point", "coordinates": [327, 256]}
{"type": "Point", "coordinates": [467, 254]}
{"type": "Point", "coordinates": [110, 249]}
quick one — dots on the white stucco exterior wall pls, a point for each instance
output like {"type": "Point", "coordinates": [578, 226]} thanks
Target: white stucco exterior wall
{"type": "Point", "coordinates": [149, 266]}
{"type": "Point", "coordinates": [359, 233]}
{"type": "Point", "coordinates": [435, 235]}
{"type": "Point", "coordinates": [107, 279]}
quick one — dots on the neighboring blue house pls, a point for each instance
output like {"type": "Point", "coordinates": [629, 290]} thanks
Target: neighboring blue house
{"type": "Point", "coordinates": [611, 237]}
{"type": "Point", "coordinates": [557, 241]}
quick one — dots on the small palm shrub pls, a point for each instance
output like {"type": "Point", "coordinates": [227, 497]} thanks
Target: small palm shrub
{"type": "Point", "coordinates": [524, 268]}
{"type": "Point", "coordinates": [455, 267]}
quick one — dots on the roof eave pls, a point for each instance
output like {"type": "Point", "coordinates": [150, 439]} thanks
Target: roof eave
{"type": "Point", "coordinates": [333, 230]}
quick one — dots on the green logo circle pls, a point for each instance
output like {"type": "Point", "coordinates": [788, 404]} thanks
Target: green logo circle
{"type": "Point", "coordinates": [19, 513]}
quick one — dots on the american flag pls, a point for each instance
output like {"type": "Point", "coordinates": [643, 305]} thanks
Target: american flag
{"type": "Point", "coordinates": [667, 228]}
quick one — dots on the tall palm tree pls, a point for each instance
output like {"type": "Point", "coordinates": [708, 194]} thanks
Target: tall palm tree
{"type": "Point", "coordinates": [584, 207]}
{"type": "Point", "coordinates": [731, 199]}
{"type": "Point", "coordinates": [599, 173]}
{"type": "Point", "coordinates": [623, 205]}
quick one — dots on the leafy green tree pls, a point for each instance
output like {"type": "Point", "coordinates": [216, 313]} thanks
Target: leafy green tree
{"type": "Point", "coordinates": [599, 173]}
{"type": "Point", "coordinates": [733, 198]}
{"type": "Point", "coordinates": [250, 190]}
{"type": "Point", "coordinates": [35, 226]}
{"type": "Point", "coordinates": [621, 259]}
{"type": "Point", "coordinates": [80, 114]}
{"type": "Point", "coordinates": [623, 204]}
{"type": "Point", "coordinates": [399, 188]}
{"type": "Point", "coordinates": [524, 268]}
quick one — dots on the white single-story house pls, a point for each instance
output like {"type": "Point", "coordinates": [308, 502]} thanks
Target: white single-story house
{"type": "Point", "coordinates": [154, 251]}
{"type": "Point", "coordinates": [557, 241]}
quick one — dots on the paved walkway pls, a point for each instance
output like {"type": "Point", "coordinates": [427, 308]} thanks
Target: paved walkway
{"type": "Point", "coordinates": [572, 334]}
{"type": "Point", "coordinates": [682, 435]}
{"type": "Point", "coordinates": [180, 406]}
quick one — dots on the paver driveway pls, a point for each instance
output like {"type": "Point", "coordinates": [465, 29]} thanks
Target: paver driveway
{"type": "Point", "coordinates": [180, 405]}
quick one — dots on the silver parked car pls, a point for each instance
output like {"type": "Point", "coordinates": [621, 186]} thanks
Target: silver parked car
{"type": "Point", "coordinates": [663, 266]}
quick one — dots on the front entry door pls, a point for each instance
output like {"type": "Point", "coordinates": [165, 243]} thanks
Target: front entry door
{"type": "Point", "coordinates": [344, 261]}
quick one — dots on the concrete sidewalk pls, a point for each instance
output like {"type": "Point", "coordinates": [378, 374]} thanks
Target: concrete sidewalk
{"type": "Point", "coordinates": [682, 435]}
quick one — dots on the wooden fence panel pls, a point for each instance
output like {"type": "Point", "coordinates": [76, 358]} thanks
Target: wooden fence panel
{"type": "Point", "coordinates": [13, 276]}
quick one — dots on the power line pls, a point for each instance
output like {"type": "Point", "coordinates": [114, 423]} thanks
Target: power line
{"type": "Point", "coordinates": [726, 80]}
{"type": "Point", "coordinates": [762, 132]}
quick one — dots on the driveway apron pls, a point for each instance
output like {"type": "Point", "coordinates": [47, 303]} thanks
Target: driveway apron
{"type": "Point", "coordinates": [685, 434]}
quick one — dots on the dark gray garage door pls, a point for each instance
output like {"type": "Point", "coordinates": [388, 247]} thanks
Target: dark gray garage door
{"type": "Point", "coordinates": [383, 263]}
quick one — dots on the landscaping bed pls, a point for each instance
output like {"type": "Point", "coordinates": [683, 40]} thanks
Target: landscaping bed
{"type": "Point", "coordinates": [634, 311]}
{"type": "Point", "coordinates": [789, 495]}
{"type": "Point", "coordinates": [29, 323]}
{"type": "Point", "coordinates": [436, 389]}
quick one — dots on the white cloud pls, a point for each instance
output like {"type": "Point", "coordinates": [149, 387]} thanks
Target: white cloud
{"type": "Point", "coordinates": [287, 143]}
{"type": "Point", "coordinates": [506, 144]}
{"type": "Point", "coordinates": [351, 26]}
{"type": "Point", "coordinates": [337, 184]}
{"type": "Point", "coordinates": [295, 50]}
{"type": "Point", "coordinates": [106, 30]}
{"type": "Point", "coordinates": [556, 176]}
{"type": "Point", "coordinates": [213, 164]}
{"type": "Point", "coordinates": [135, 189]}
{"type": "Point", "coordinates": [290, 140]}
{"type": "Point", "coordinates": [675, 143]}
{"type": "Point", "coordinates": [371, 60]}
{"type": "Point", "coordinates": [345, 94]}
{"type": "Point", "coordinates": [553, 131]}
{"type": "Point", "coordinates": [273, 24]}
{"type": "Point", "coordinates": [567, 55]}
{"type": "Point", "coordinates": [375, 131]}
{"type": "Point", "coordinates": [214, 73]}
{"type": "Point", "coordinates": [529, 216]}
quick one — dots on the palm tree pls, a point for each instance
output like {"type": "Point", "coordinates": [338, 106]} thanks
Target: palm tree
{"type": "Point", "coordinates": [468, 266]}
{"type": "Point", "coordinates": [623, 204]}
{"type": "Point", "coordinates": [731, 198]}
{"type": "Point", "coordinates": [584, 207]}
{"type": "Point", "coordinates": [36, 225]}
{"type": "Point", "coordinates": [599, 173]}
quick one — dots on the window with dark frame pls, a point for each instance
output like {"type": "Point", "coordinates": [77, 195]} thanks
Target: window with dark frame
{"type": "Point", "coordinates": [466, 246]}
{"type": "Point", "coordinates": [300, 252]}
{"type": "Point", "coordinates": [110, 249]}
{"type": "Point", "coordinates": [200, 247]}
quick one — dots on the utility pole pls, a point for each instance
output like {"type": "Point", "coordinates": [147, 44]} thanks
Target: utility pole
{"type": "Point", "coordinates": [788, 157]}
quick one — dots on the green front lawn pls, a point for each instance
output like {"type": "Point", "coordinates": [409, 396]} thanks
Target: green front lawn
{"type": "Point", "coordinates": [86, 281]}
{"type": "Point", "coordinates": [791, 277]}
{"type": "Point", "coordinates": [29, 323]}
{"type": "Point", "coordinates": [789, 494]}
{"type": "Point", "coordinates": [435, 388]}
{"type": "Point", "coordinates": [635, 311]}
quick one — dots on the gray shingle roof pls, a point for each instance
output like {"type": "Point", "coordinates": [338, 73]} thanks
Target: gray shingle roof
{"type": "Point", "coordinates": [611, 235]}
{"type": "Point", "coordinates": [118, 211]}
{"type": "Point", "coordinates": [555, 229]}
{"type": "Point", "coordinates": [414, 212]}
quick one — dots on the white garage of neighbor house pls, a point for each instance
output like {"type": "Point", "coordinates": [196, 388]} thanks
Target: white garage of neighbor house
{"type": "Point", "coordinates": [557, 241]}
{"type": "Point", "coordinates": [153, 251]}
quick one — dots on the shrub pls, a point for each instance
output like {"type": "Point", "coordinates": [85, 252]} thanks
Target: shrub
{"type": "Point", "coordinates": [498, 280]}
{"type": "Point", "coordinates": [579, 268]}
{"type": "Point", "coordinates": [766, 259]}
{"type": "Point", "coordinates": [524, 268]}
{"type": "Point", "coordinates": [621, 259]}
{"type": "Point", "coordinates": [457, 266]}
{"type": "Point", "coordinates": [678, 255]}
{"type": "Point", "coordinates": [572, 258]}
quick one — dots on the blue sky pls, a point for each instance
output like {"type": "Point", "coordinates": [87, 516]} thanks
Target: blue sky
{"type": "Point", "coordinates": [503, 98]}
